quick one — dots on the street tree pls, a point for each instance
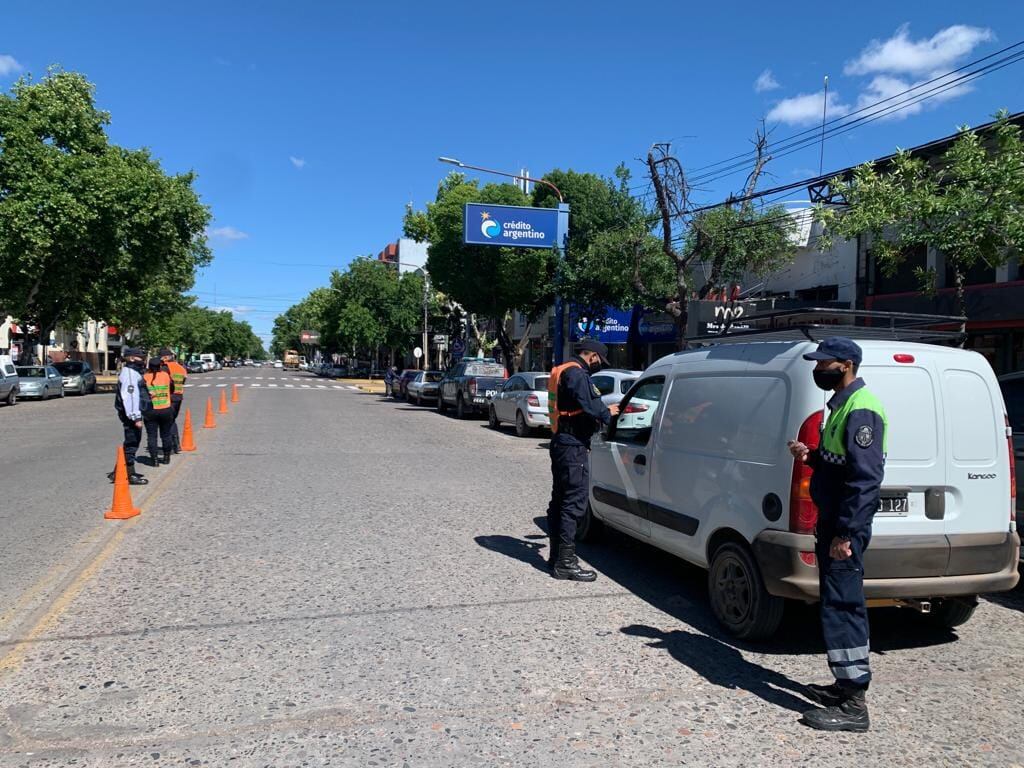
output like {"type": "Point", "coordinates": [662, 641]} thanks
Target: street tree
{"type": "Point", "coordinates": [488, 282]}
{"type": "Point", "coordinates": [87, 228]}
{"type": "Point", "coordinates": [966, 203]}
{"type": "Point", "coordinates": [307, 315]}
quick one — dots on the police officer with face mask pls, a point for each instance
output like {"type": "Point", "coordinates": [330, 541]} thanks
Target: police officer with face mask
{"type": "Point", "coordinates": [846, 482]}
{"type": "Point", "coordinates": [576, 411]}
{"type": "Point", "coordinates": [130, 402]}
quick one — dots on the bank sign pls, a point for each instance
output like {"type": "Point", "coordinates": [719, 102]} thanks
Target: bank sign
{"type": "Point", "coordinates": [510, 225]}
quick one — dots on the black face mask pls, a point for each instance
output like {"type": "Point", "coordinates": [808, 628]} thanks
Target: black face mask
{"type": "Point", "coordinates": [136, 364]}
{"type": "Point", "coordinates": [829, 378]}
{"type": "Point", "coordinates": [595, 367]}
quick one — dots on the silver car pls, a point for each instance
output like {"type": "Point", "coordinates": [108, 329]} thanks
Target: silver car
{"type": "Point", "coordinates": [42, 381]}
{"type": "Point", "coordinates": [523, 401]}
{"type": "Point", "coordinates": [78, 377]}
{"type": "Point", "coordinates": [423, 386]}
{"type": "Point", "coordinates": [614, 383]}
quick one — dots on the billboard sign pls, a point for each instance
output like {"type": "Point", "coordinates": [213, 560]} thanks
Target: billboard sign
{"type": "Point", "coordinates": [510, 225]}
{"type": "Point", "coordinates": [310, 337]}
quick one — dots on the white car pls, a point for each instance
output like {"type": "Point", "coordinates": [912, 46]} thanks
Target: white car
{"type": "Point", "coordinates": [614, 383]}
{"type": "Point", "coordinates": [278, 364]}
{"type": "Point", "coordinates": [522, 400]}
{"type": "Point", "coordinates": [697, 464]}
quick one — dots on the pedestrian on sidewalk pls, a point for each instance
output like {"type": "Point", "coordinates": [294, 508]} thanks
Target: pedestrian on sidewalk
{"type": "Point", "coordinates": [131, 400]}
{"type": "Point", "coordinates": [160, 416]}
{"type": "Point", "coordinates": [389, 381]}
{"type": "Point", "coordinates": [846, 482]}
{"type": "Point", "coordinates": [178, 375]}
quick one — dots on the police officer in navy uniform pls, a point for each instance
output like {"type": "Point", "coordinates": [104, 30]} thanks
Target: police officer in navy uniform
{"type": "Point", "coordinates": [846, 482]}
{"type": "Point", "coordinates": [580, 412]}
{"type": "Point", "coordinates": [131, 402]}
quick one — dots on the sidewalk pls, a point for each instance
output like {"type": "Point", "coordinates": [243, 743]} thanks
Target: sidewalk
{"type": "Point", "coordinates": [376, 386]}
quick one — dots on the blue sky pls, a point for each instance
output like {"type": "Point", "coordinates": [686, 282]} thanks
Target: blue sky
{"type": "Point", "coordinates": [312, 124]}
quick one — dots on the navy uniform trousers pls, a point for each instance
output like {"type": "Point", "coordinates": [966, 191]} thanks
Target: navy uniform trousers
{"type": "Point", "coordinates": [132, 439]}
{"type": "Point", "coordinates": [844, 615]}
{"type": "Point", "coordinates": [570, 478]}
{"type": "Point", "coordinates": [176, 405]}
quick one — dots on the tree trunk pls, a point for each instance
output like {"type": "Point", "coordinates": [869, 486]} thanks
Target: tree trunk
{"type": "Point", "coordinates": [507, 350]}
{"type": "Point", "coordinates": [961, 301]}
{"type": "Point", "coordinates": [520, 348]}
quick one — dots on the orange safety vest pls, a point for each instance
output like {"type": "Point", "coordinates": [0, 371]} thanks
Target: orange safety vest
{"type": "Point", "coordinates": [159, 385]}
{"type": "Point", "coordinates": [553, 411]}
{"type": "Point", "coordinates": [179, 374]}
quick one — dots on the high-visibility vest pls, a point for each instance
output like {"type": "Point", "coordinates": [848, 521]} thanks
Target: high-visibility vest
{"type": "Point", "coordinates": [178, 374]}
{"type": "Point", "coordinates": [553, 411]}
{"type": "Point", "coordinates": [159, 385]}
{"type": "Point", "coordinates": [833, 438]}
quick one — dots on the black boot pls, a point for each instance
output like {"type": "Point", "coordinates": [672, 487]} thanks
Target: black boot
{"type": "Point", "coordinates": [826, 695]}
{"type": "Point", "coordinates": [552, 554]}
{"type": "Point", "coordinates": [849, 715]}
{"type": "Point", "coordinates": [167, 457]}
{"type": "Point", "coordinates": [568, 567]}
{"type": "Point", "coordinates": [134, 478]}
{"type": "Point", "coordinates": [154, 459]}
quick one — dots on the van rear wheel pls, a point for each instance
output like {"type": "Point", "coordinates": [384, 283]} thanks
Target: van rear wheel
{"type": "Point", "coordinates": [953, 611]}
{"type": "Point", "coordinates": [739, 600]}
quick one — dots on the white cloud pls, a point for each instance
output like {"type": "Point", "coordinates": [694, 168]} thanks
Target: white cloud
{"type": "Point", "coordinates": [805, 109]}
{"type": "Point", "coordinates": [901, 55]}
{"type": "Point", "coordinates": [298, 162]}
{"type": "Point", "coordinates": [766, 82]}
{"type": "Point", "coordinates": [239, 310]}
{"type": "Point", "coordinates": [887, 87]}
{"type": "Point", "coordinates": [226, 233]}
{"type": "Point", "coordinates": [9, 65]}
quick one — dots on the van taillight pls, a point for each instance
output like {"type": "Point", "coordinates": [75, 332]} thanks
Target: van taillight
{"type": "Point", "coordinates": [901, 358]}
{"type": "Point", "coordinates": [803, 514]}
{"type": "Point", "coordinates": [1013, 469]}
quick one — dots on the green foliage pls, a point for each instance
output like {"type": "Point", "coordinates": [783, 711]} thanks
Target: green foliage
{"type": "Point", "coordinates": [196, 330]}
{"type": "Point", "coordinates": [967, 203]}
{"type": "Point", "coordinates": [88, 229]}
{"type": "Point", "coordinates": [307, 315]}
{"type": "Point", "coordinates": [611, 250]}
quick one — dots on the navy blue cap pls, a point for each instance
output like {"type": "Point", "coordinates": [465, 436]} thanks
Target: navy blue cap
{"type": "Point", "coordinates": [593, 345]}
{"type": "Point", "coordinates": [133, 352]}
{"type": "Point", "coordinates": [837, 348]}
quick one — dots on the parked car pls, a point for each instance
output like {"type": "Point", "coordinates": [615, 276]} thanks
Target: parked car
{"type": "Point", "coordinates": [41, 381]}
{"type": "Point", "coordinates": [78, 377]}
{"type": "Point", "coordinates": [1012, 386]}
{"type": "Point", "coordinates": [523, 401]}
{"type": "Point", "coordinates": [194, 366]}
{"type": "Point", "coordinates": [697, 464]}
{"type": "Point", "coordinates": [469, 384]}
{"type": "Point", "coordinates": [423, 386]}
{"type": "Point", "coordinates": [8, 380]}
{"type": "Point", "coordinates": [614, 383]}
{"type": "Point", "coordinates": [278, 364]}
{"type": "Point", "coordinates": [399, 388]}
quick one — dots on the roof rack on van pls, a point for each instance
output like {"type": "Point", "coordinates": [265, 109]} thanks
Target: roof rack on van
{"type": "Point", "coordinates": [817, 323]}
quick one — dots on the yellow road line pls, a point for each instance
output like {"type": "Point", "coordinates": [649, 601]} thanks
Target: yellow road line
{"type": "Point", "coordinates": [9, 661]}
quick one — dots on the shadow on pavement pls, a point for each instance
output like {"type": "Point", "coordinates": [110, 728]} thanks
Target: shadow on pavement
{"type": "Point", "coordinates": [525, 551]}
{"type": "Point", "coordinates": [723, 665]}
{"type": "Point", "coordinates": [680, 590]}
{"type": "Point", "coordinates": [1014, 599]}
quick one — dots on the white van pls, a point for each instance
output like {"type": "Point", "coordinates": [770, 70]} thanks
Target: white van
{"type": "Point", "coordinates": [8, 380]}
{"type": "Point", "coordinates": [697, 464]}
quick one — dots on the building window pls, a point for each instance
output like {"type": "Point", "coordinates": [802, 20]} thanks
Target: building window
{"type": "Point", "coordinates": [979, 274]}
{"type": "Point", "coordinates": [820, 293]}
{"type": "Point", "coordinates": [904, 280]}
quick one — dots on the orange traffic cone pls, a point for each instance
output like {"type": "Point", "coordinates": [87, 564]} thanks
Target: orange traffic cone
{"type": "Point", "coordinates": [121, 508]}
{"type": "Point", "coordinates": [210, 423]}
{"type": "Point", "coordinates": [223, 402]}
{"type": "Point", "coordinates": [234, 393]}
{"type": "Point", "coordinates": [187, 443]}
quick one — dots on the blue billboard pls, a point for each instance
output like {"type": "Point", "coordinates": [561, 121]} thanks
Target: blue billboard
{"type": "Point", "coordinates": [649, 326]}
{"type": "Point", "coordinates": [510, 225]}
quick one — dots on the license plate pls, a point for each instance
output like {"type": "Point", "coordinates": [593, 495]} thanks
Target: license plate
{"type": "Point", "coordinates": [894, 505]}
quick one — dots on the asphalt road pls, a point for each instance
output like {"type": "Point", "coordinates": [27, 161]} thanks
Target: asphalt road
{"type": "Point", "coordinates": [332, 579]}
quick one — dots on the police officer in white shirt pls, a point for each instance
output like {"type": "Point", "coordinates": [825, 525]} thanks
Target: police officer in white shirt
{"type": "Point", "coordinates": [131, 401]}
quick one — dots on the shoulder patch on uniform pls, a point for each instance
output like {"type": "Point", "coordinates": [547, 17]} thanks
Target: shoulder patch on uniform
{"type": "Point", "coordinates": [131, 388]}
{"type": "Point", "coordinates": [595, 390]}
{"type": "Point", "coordinates": [864, 436]}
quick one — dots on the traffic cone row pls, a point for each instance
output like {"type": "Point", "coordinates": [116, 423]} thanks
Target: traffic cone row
{"type": "Point", "coordinates": [121, 506]}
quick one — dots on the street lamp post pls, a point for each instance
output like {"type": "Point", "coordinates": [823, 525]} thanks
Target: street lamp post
{"type": "Point", "coordinates": [561, 237]}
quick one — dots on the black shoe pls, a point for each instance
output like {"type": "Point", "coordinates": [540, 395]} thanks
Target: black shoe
{"type": "Point", "coordinates": [567, 567]}
{"type": "Point", "coordinates": [110, 475]}
{"type": "Point", "coordinates": [850, 715]}
{"type": "Point", "coordinates": [177, 448]}
{"type": "Point", "coordinates": [167, 457]}
{"type": "Point", "coordinates": [154, 459]}
{"type": "Point", "coordinates": [827, 695]}
{"type": "Point", "coordinates": [134, 478]}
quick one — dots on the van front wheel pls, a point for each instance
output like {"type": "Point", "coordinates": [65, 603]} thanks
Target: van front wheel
{"type": "Point", "coordinates": [738, 597]}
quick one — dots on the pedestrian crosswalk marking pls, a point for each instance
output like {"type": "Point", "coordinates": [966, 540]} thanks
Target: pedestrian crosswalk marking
{"type": "Point", "coordinates": [271, 385]}
{"type": "Point", "coordinates": [321, 386]}
{"type": "Point", "coordinates": [305, 386]}
{"type": "Point", "coordinates": [290, 386]}
{"type": "Point", "coordinates": [222, 385]}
